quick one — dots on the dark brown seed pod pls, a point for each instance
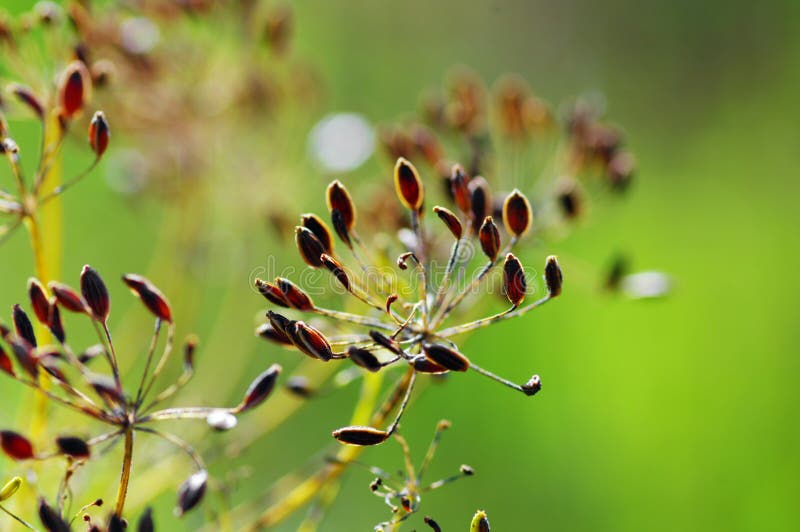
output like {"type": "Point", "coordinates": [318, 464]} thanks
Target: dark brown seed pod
{"type": "Point", "coordinates": [15, 445]}
{"type": "Point", "coordinates": [408, 184]}
{"type": "Point", "coordinates": [23, 352]}
{"type": "Point", "coordinates": [533, 386]}
{"type": "Point", "coordinates": [357, 435]}
{"type": "Point", "coordinates": [95, 293]}
{"type": "Point", "coordinates": [390, 300]}
{"type": "Point", "coordinates": [514, 282]}
{"type": "Point", "coordinates": [309, 246]}
{"type": "Point", "coordinates": [552, 276]}
{"type": "Point", "coordinates": [115, 524]}
{"type": "Point", "coordinates": [146, 523]}
{"type": "Point", "coordinates": [39, 302]}
{"type": "Point", "coordinates": [272, 293]}
{"type": "Point", "coordinates": [73, 447]}
{"type": "Point", "coordinates": [74, 87]}
{"type": "Point", "coordinates": [191, 492]}
{"type": "Point", "coordinates": [364, 359]}
{"type": "Point", "coordinates": [23, 325]}
{"type": "Point", "coordinates": [450, 220]}
{"type": "Point", "coordinates": [151, 296]}
{"type": "Point", "coordinates": [27, 97]}
{"type": "Point", "coordinates": [433, 524]}
{"type": "Point", "coordinates": [106, 388]}
{"type": "Point", "coordinates": [385, 342]}
{"type": "Point", "coordinates": [189, 348]}
{"type": "Point", "coordinates": [268, 332]}
{"type": "Point", "coordinates": [50, 518]}
{"type": "Point", "coordinates": [337, 269]}
{"type": "Point", "coordinates": [260, 389]}
{"type": "Point", "coordinates": [459, 186]}
{"type": "Point", "coordinates": [55, 324]}
{"type": "Point", "coordinates": [99, 134]}
{"type": "Point", "coordinates": [279, 322]}
{"type": "Point", "coordinates": [402, 260]}
{"type": "Point", "coordinates": [68, 298]}
{"type": "Point", "coordinates": [314, 223]}
{"type": "Point", "coordinates": [5, 363]}
{"type": "Point", "coordinates": [423, 364]}
{"type": "Point", "coordinates": [339, 225]}
{"type": "Point", "coordinates": [480, 198]}
{"type": "Point", "coordinates": [446, 357]}
{"type": "Point", "coordinates": [517, 213]}
{"type": "Point", "coordinates": [339, 200]}
{"type": "Point", "coordinates": [313, 341]}
{"type": "Point", "coordinates": [293, 295]}
{"type": "Point", "coordinates": [489, 238]}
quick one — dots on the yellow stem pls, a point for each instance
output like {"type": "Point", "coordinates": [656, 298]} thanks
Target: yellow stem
{"type": "Point", "coordinates": [125, 477]}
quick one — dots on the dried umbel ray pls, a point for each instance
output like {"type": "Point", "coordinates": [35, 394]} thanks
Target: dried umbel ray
{"type": "Point", "coordinates": [77, 381]}
{"type": "Point", "coordinates": [403, 329]}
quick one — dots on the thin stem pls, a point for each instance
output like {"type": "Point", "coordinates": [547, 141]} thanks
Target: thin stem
{"type": "Point", "coordinates": [18, 519]}
{"type": "Point", "coordinates": [406, 398]}
{"type": "Point", "coordinates": [511, 313]}
{"type": "Point", "coordinates": [352, 318]}
{"type": "Point", "coordinates": [61, 189]}
{"type": "Point", "coordinates": [125, 477]}
{"type": "Point", "coordinates": [501, 380]}
{"type": "Point", "coordinates": [150, 352]}
{"type": "Point", "coordinates": [183, 445]}
{"type": "Point", "coordinates": [163, 360]}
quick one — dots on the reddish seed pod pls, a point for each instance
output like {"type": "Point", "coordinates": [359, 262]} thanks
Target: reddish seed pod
{"type": "Point", "coordinates": [99, 134]}
{"type": "Point", "coordinates": [5, 363]}
{"type": "Point", "coordinates": [23, 352]}
{"type": "Point", "coordinates": [151, 296]}
{"type": "Point", "coordinates": [16, 445]}
{"type": "Point", "coordinates": [390, 301]}
{"type": "Point", "coordinates": [450, 220]}
{"type": "Point", "coordinates": [189, 348]}
{"type": "Point", "coordinates": [309, 246]}
{"type": "Point", "coordinates": [339, 200]}
{"type": "Point", "coordinates": [446, 357]}
{"type": "Point", "coordinates": [73, 447]}
{"type": "Point", "coordinates": [339, 226]}
{"type": "Point", "coordinates": [459, 186]}
{"type": "Point", "coordinates": [146, 523]}
{"type": "Point", "coordinates": [314, 223]}
{"type": "Point", "coordinates": [313, 341]}
{"type": "Point", "coordinates": [364, 359]}
{"type": "Point", "coordinates": [260, 389]}
{"type": "Point", "coordinates": [55, 324]}
{"type": "Point", "coordinates": [517, 213]}
{"type": "Point", "coordinates": [403, 259]}
{"type": "Point", "coordinates": [23, 325]}
{"type": "Point", "coordinates": [293, 295]}
{"type": "Point", "coordinates": [385, 342]}
{"type": "Point", "coordinates": [552, 276]}
{"type": "Point", "coordinates": [51, 519]}
{"type": "Point", "coordinates": [408, 184]}
{"type": "Point", "coordinates": [268, 332]}
{"type": "Point", "coordinates": [514, 282]}
{"type": "Point", "coordinates": [74, 88]}
{"type": "Point", "coordinates": [68, 298]}
{"type": "Point", "coordinates": [489, 238]}
{"type": "Point", "coordinates": [27, 97]}
{"type": "Point", "coordinates": [480, 198]}
{"type": "Point", "coordinates": [95, 293]}
{"type": "Point", "coordinates": [106, 388]}
{"type": "Point", "coordinates": [357, 435]}
{"type": "Point", "coordinates": [337, 269]}
{"type": "Point", "coordinates": [191, 492]}
{"type": "Point", "coordinates": [279, 322]}
{"type": "Point", "coordinates": [423, 364]}
{"type": "Point", "coordinates": [39, 303]}
{"type": "Point", "coordinates": [272, 293]}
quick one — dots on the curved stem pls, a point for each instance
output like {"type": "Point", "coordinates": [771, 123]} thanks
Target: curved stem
{"type": "Point", "coordinates": [125, 477]}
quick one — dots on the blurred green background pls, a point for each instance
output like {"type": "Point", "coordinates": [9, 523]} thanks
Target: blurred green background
{"type": "Point", "coordinates": [678, 414]}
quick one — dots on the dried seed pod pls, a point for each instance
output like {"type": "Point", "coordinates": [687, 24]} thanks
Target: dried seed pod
{"type": "Point", "coordinates": [433, 524]}
{"type": "Point", "coordinates": [489, 238]}
{"type": "Point", "coordinates": [115, 524]}
{"type": "Point", "coordinates": [314, 341]}
{"type": "Point", "coordinates": [514, 282]}
{"type": "Point", "coordinates": [51, 519]}
{"type": "Point", "coordinates": [293, 295]}
{"type": "Point", "coordinates": [364, 358]}
{"type": "Point", "coordinates": [67, 297]}
{"type": "Point", "coordinates": [99, 134]}
{"type": "Point", "coordinates": [107, 388]}
{"type": "Point", "coordinates": [533, 386]}
{"type": "Point", "coordinates": [73, 447]}
{"type": "Point", "coordinates": [10, 488]}
{"type": "Point", "coordinates": [459, 186]}
{"type": "Point", "coordinates": [357, 435]}
{"type": "Point", "coordinates": [337, 269]}
{"type": "Point", "coordinates": [23, 325]}
{"type": "Point", "coordinates": [337, 219]}
{"type": "Point", "coordinates": [260, 389]}
{"type": "Point", "coordinates": [315, 224]}
{"type": "Point", "coordinates": [272, 293]}
{"type": "Point", "coordinates": [552, 276]}
{"type": "Point", "coordinates": [385, 342]}
{"type": "Point", "coordinates": [446, 357]}
{"type": "Point", "coordinates": [27, 97]}
{"type": "Point", "coordinates": [450, 220]}
{"type": "Point", "coordinates": [39, 302]}
{"type": "Point", "coordinates": [189, 348]}
{"type": "Point", "coordinates": [390, 300]}
{"type": "Point", "coordinates": [480, 198]}
{"type": "Point", "coordinates": [279, 322]}
{"type": "Point", "coordinates": [146, 523]}
{"type": "Point", "coordinates": [517, 213]}
{"type": "Point", "coordinates": [74, 88]}
{"type": "Point", "coordinates": [95, 293]}
{"type": "Point", "coordinates": [5, 363]}
{"type": "Point", "coordinates": [16, 445]}
{"type": "Point", "coordinates": [480, 523]}
{"type": "Point", "coordinates": [23, 352]}
{"type": "Point", "coordinates": [339, 200]}
{"type": "Point", "coordinates": [408, 184]}
{"type": "Point", "coordinates": [309, 246]}
{"type": "Point", "coordinates": [268, 332]}
{"type": "Point", "coordinates": [221, 420]}
{"type": "Point", "coordinates": [423, 364]}
{"type": "Point", "coordinates": [191, 492]}
{"type": "Point", "coordinates": [55, 324]}
{"type": "Point", "coordinates": [403, 259]}
{"type": "Point", "coordinates": [151, 296]}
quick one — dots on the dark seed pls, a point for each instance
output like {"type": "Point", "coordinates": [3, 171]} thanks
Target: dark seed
{"type": "Point", "coordinates": [72, 90]}
{"type": "Point", "coordinates": [314, 341]}
{"type": "Point", "coordinates": [466, 470]}
{"type": "Point", "coordinates": [268, 332]}
{"type": "Point", "coordinates": [309, 246]}
{"type": "Point", "coordinates": [446, 357]}
{"type": "Point", "coordinates": [298, 385]}
{"type": "Point", "coordinates": [26, 96]}
{"type": "Point", "coordinates": [357, 435]}
{"type": "Point", "coordinates": [459, 186]}
{"type": "Point", "coordinates": [480, 523]}
{"type": "Point", "coordinates": [514, 280]}
{"type": "Point", "coordinates": [16, 445]}
{"type": "Point", "coordinates": [116, 523]}
{"type": "Point", "coordinates": [5, 363]}
{"type": "Point", "coordinates": [337, 269]}
{"type": "Point", "coordinates": [55, 324]}
{"type": "Point", "coordinates": [339, 225]}
{"type": "Point", "coordinates": [533, 386]}
{"type": "Point", "coordinates": [50, 518]}
{"type": "Point", "coordinates": [39, 302]}
{"type": "Point", "coordinates": [552, 276]}
{"type": "Point", "coordinates": [191, 492]}
{"type": "Point", "coordinates": [261, 388]}
{"type": "Point", "coordinates": [107, 389]}
{"type": "Point", "coordinates": [189, 348]}
{"type": "Point", "coordinates": [489, 237]}
{"type": "Point", "coordinates": [339, 200]}
{"type": "Point", "coordinates": [364, 358]}
{"type": "Point", "coordinates": [23, 351]}
{"type": "Point", "coordinates": [450, 220]}
{"type": "Point", "coordinates": [95, 293]}
{"type": "Point", "coordinates": [408, 184]}
{"type": "Point", "coordinates": [480, 199]}
{"type": "Point", "coordinates": [272, 293]}
{"type": "Point", "coordinates": [433, 524]}
{"type": "Point", "coordinates": [99, 133]}
{"type": "Point", "coordinates": [293, 295]}
{"type": "Point", "coordinates": [74, 447]}
{"type": "Point", "coordinates": [423, 364]}
{"type": "Point", "coordinates": [23, 325]}
{"type": "Point", "coordinates": [151, 296]}
{"type": "Point", "coordinates": [280, 322]}
{"type": "Point", "coordinates": [385, 342]}
{"type": "Point", "coordinates": [517, 213]}
{"type": "Point", "coordinates": [146, 521]}
{"type": "Point", "coordinates": [314, 223]}
{"type": "Point", "coordinates": [67, 297]}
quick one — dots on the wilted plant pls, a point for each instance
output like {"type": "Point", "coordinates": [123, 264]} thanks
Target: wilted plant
{"type": "Point", "coordinates": [101, 396]}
